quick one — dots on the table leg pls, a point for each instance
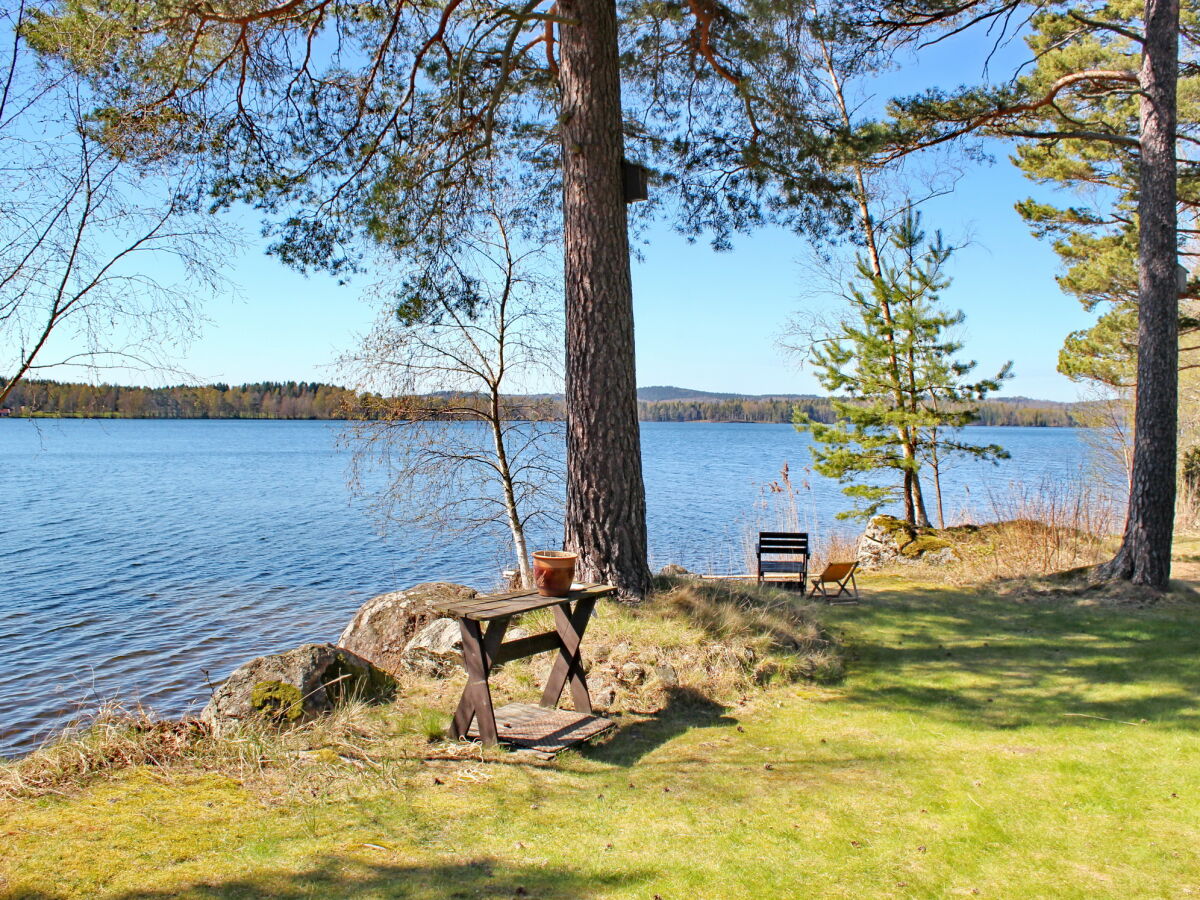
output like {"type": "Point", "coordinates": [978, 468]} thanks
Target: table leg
{"type": "Point", "coordinates": [570, 626]}
{"type": "Point", "coordinates": [478, 651]}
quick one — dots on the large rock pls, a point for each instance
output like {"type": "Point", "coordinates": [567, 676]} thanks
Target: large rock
{"type": "Point", "coordinates": [888, 541]}
{"type": "Point", "coordinates": [437, 648]}
{"type": "Point", "coordinates": [384, 625]}
{"type": "Point", "coordinates": [296, 686]}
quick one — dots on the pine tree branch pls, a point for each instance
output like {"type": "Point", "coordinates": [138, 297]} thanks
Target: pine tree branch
{"type": "Point", "coordinates": [1107, 26]}
{"type": "Point", "coordinates": [1122, 140]}
{"type": "Point", "coordinates": [992, 117]}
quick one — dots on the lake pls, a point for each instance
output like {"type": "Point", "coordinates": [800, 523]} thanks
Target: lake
{"type": "Point", "coordinates": [143, 559]}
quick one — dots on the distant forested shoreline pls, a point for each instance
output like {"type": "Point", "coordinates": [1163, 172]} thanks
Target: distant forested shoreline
{"type": "Point", "coordinates": [292, 400]}
{"type": "Point", "coordinates": [1030, 413]}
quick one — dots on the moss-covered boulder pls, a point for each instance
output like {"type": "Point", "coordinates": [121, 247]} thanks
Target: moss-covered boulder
{"type": "Point", "coordinates": [296, 686]}
{"type": "Point", "coordinates": [889, 541]}
{"type": "Point", "coordinates": [384, 625]}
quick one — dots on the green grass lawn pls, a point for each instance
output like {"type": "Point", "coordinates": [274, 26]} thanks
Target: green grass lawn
{"type": "Point", "coordinates": [978, 746]}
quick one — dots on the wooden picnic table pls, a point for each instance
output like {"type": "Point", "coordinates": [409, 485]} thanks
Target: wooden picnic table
{"type": "Point", "coordinates": [544, 727]}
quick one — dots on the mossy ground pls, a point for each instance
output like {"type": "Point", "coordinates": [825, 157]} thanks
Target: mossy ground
{"type": "Point", "coordinates": [978, 746]}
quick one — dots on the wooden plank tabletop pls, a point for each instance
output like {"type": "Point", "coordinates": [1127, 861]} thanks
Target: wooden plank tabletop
{"type": "Point", "coordinates": [486, 607]}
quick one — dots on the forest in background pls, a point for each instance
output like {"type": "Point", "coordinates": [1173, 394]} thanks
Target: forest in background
{"type": "Point", "coordinates": [314, 400]}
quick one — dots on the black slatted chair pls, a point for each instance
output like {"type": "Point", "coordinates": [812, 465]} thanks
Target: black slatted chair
{"type": "Point", "coordinates": [790, 549]}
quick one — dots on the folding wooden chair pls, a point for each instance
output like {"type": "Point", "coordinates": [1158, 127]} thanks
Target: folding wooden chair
{"type": "Point", "coordinates": [839, 573]}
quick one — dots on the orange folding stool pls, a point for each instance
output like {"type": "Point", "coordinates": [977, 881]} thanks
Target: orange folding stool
{"type": "Point", "coordinates": [839, 573]}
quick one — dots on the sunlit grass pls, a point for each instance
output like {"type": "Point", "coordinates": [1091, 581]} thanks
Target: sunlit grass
{"type": "Point", "coordinates": [979, 746]}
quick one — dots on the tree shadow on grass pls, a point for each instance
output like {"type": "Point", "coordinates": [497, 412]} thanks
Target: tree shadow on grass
{"type": "Point", "coordinates": [684, 710]}
{"type": "Point", "coordinates": [338, 877]}
{"type": "Point", "coordinates": [993, 662]}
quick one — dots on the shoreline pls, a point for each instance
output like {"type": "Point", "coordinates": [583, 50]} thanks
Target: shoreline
{"type": "Point", "coordinates": [115, 418]}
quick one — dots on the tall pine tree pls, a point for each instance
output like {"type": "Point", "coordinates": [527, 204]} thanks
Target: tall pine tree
{"type": "Point", "coordinates": [1096, 236]}
{"type": "Point", "coordinates": [891, 365]}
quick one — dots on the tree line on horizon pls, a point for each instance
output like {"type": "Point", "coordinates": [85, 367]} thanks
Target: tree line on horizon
{"type": "Point", "coordinates": [316, 400]}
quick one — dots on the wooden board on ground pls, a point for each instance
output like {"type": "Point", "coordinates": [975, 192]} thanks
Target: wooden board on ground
{"type": "Point", "coordinates": [767, 577]}
{"type": "Point", "coordinates": [544, 731]}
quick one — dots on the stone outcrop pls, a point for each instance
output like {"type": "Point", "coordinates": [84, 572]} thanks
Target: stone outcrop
{"type": "Point", "coordinates": [437, 648]}
{"type": "Point", "coordinates": [384, 625]}
{"type": "Point", "coordinates": [296, 686]}
{"type": "Point", "coordinates": [889, 541]}
{"type": "Point", "coordinates": [674, 570]}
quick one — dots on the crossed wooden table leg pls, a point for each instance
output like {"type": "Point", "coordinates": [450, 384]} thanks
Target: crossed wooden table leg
{"type": "Point", "coordinates": [570, 626]}
{"type": "Point", "coordinates": [484, 648]}
{"type": "Point", "coordinates": [479, 654]}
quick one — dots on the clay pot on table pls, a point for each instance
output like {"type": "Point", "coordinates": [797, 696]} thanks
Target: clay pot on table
{"type": "Point", "coordinates": [553, 572]}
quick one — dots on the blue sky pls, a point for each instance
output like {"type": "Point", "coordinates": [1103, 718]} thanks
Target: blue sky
{"type": "Point", "coordinates": [712, 320]}
{"type": "Point", "coordinates": [704, 319]}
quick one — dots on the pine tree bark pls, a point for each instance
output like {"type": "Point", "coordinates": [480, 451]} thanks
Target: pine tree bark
{"type": "Point", "coordinates": [910, 512]}
{"type": "Point", "coordinates": [1145, 553]}
{"type": "Point", "coordinates": [606, 501]}
{"type": "Point", "coordinates": [919, 501]}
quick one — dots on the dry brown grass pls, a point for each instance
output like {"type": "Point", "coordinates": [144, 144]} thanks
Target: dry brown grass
{"type": "Point", "coordinates": [255, 753]}
{"type": "Point", "coordinates": [1032, 531]}
{"type": "Point", "coordinates": [1036, 530]}
{"type": "Point", "coordinates": [836, 546]}
{"type": "Point", "coordinates": [114, 738]}
{"type": "Point", "coordinates": [1026, 547]}
{"type": "Point", "coordinates": [1187, 512]}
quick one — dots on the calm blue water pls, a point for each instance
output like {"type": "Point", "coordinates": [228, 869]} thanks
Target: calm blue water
{"type": "Point", "coordinates": [141, 559]}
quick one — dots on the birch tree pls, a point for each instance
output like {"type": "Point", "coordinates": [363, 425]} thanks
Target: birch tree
{"type": "Point", "coordinates": [446, 410]}
{"type": "Point", "coordinates": [103, 265]}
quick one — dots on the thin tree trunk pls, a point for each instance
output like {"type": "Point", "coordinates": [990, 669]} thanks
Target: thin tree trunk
{"type": "Point", "coordinates": [935, 465]}
{"type": "Point", "coordinates": [910, 513]}
{"type": "Point", "coordinates": [913, 505]}
{"type": "Point", "coordinates": [606, 501]}
{"type": "Point", "coordinates": [515, 526]}
{"type": "Point", "coordinates": [1145, 554]}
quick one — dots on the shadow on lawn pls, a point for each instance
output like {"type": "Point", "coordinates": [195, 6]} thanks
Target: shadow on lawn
{"type": "Point", "coordinates": [336, 877]}
{"type": "Point", "coordinates": [684, 710]}
{"type": "Point", "coordinates": [995, 662]}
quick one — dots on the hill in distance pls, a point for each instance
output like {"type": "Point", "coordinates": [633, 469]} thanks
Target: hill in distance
{"type": "Point", "coordinates": [659, 393]}
{"type": "Point", "coordinates": [663, 393]}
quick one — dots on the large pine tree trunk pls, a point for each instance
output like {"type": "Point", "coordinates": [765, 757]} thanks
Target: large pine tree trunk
{"type": "Point", "coordinates": [1145, 554]}
{"type": "Point", "coordinates": [606, 501]}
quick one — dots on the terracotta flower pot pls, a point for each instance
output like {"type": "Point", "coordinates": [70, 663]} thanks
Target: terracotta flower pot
{"type": "Point", "coordinates": [553, 572]}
